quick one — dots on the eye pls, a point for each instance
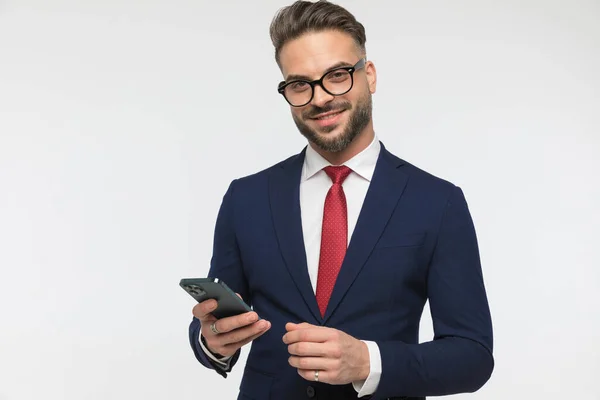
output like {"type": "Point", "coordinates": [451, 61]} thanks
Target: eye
{"type": "Point", "coordinates": [338, 75]}
{"type": "Point", "coordinates": [298, 86]}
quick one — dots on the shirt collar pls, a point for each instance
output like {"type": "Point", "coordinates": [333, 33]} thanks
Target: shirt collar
{"type": "Point", "coordinates": [363, 164]}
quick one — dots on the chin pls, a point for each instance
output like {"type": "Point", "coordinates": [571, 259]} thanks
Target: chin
{"type": "Point", "coordinates": [334, 142]}
{"type": "Point", "coordinates": [332, 139]}
{"type": "Point", "coordinates": [329, 131]}
{"type": "Point", "coordinates": [331, 136]}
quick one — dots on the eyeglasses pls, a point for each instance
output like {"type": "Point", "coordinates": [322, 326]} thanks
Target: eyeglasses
{"type": "Point", "coordinates": [337, 82]}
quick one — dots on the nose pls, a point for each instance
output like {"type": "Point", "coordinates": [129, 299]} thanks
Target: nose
{"type": "Point", "coordinates": [320, 96]}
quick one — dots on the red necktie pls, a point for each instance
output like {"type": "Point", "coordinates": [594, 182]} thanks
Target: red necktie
{"type": "Point", "coordinates": [334, 237]}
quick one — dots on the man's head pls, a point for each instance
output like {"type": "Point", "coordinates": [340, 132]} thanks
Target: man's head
{"type": "Point", "coordinates": [324, 41]}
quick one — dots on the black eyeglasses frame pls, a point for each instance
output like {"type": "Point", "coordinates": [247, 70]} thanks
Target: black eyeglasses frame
{"type": "Point", "coordinates": [283, 84]}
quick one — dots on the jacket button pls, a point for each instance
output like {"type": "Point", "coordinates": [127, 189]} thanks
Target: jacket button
{"type": "Point", "coordinates": [310, 392]}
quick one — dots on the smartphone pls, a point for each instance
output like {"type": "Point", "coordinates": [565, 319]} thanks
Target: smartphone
{"type": "Point", "coordinates": [228, 303]}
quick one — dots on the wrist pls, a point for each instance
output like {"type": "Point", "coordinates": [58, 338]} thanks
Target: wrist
{"type": "Point", "coordinates": [365, 362]}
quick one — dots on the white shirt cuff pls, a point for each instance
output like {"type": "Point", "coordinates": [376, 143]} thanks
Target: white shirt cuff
{"type": "Point", "coordinates": [369, 386]}
{"type": "Point", "coordinates": [222, 361]}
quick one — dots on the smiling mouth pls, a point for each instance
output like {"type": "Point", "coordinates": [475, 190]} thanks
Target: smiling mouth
{"type": "Point", "coordinates": [329, 115]}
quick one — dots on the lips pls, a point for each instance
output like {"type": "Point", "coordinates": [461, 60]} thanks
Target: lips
{"type": "Point", "coordinates": [327, 115]}
{"type": "Point", "coordinates": [329, 118]}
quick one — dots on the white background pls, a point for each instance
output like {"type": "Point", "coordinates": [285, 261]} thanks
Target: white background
{"type": "Point", "coordinates": [122, 122]}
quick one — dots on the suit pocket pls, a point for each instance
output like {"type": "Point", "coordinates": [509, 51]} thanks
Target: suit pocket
{"type": "Point", "coordinates": [255, 384]}
{"type": "Point", "coordinates": [402, 240]}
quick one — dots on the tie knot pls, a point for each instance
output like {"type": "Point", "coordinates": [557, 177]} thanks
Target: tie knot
{"type": "Point", "coordinates": [338, 174]}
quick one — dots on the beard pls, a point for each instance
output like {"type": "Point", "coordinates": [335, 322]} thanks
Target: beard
{"type": "Point", "coordinates": [359, 118]}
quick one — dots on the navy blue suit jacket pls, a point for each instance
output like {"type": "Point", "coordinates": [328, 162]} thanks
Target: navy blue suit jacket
{"type": "Point", "coordinates": [414, 241]}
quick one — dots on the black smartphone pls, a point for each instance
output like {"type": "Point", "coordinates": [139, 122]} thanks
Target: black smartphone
{"type": "Point", "coordinates": [228, 303]}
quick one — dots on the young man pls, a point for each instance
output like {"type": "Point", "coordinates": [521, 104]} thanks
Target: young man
{"type": "Point", "coordinates": [339, 247]}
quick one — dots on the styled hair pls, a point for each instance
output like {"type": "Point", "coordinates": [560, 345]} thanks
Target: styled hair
{"type": "Point", "coordinates": [302, 17]}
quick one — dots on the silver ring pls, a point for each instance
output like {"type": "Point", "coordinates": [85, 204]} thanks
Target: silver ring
{"type": "Point", "coordinates": [317, 376]}
{"type": "Point", "coordinates": [213, 328]}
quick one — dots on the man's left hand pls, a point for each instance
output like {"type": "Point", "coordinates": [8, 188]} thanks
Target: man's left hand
{"type": "Point", "coordinates": [339, 358]}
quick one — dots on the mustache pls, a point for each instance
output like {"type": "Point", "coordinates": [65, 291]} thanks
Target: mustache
{"type": "Point", "coordinates": [314, 111]}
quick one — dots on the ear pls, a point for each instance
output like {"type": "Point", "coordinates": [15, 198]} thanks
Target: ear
{"type": "Point", "coordinates": [371, 76]}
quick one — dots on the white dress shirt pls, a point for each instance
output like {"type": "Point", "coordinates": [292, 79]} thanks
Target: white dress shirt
{"type": "Point", "coordinates": [314, 186]}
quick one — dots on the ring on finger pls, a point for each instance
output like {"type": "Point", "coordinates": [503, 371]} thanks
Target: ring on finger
{"type": "Point", "coordinates": [317, 376]}
{"type": "Point", "coordinates": [213, 328]}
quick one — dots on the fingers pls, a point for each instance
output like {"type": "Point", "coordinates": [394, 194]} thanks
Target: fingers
{"type": "Point", "coordinates": [313, 363]}
{"type": "Point", "coordinates": [228, 343]}
{"type": "Point", "coordinates": [241, 334]}
{"type": "Point", "coordinates": [203, 310]}
{"type": "Point", "coordinates": [225, 326]}
{"type": "Point", "coordinates": [314, 334]}
{"type": "Point", "coordinates": [308, 349]}
{"type": "Point", "coordinates": [324, 376]}
{"type": "Point", "coordinates": [229, 324]}
{"type": "Point", "coordinates": [290, 326]}
{"type": "Point", "coordinates": [237, 345]}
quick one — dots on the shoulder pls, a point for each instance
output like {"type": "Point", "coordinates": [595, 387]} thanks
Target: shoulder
{"type": "Point", "coordinates": [415, 172]}
{"type": "Point", "coordinates": [423, 183]}
{"type": "Point", "coordinates": [258, 180]}
{"type": "Point", "coordinates": [430, 196]}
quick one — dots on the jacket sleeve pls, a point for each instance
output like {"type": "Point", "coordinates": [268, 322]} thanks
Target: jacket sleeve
{"type": "Point", "coordinates": [226, 264]}
{"type": "Point", "coordinates": [459, 358]}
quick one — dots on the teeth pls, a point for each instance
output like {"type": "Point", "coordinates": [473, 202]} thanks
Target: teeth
{"type": "Point", "coordinates": [328, 116]}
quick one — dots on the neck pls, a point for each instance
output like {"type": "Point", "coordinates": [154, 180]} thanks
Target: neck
{"type": "Point", "coordinates": [361, 142]}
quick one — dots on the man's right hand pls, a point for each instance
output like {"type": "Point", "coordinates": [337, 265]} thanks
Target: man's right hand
{"type": "Point", "coordinates": [234, 332]}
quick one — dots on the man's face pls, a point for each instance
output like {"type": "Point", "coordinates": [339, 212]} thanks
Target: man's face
{"type": "Point", "coordinates": [329, 122]}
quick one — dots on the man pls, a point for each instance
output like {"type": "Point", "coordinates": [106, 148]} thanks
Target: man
{"type": "Point", "coordinates": [338, 248]}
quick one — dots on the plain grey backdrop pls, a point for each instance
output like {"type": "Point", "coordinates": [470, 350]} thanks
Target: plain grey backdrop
{"type": "Point", "coordinates": [123, 122]}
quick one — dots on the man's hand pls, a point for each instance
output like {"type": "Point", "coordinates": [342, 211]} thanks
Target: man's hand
{"type": "Point", "coordinates": [339, 358]}
{"type": "Point", "coordinates": [235, 331]}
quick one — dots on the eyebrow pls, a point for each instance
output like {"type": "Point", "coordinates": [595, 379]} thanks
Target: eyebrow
{"type": "Point", "coordinates": [294, 77]}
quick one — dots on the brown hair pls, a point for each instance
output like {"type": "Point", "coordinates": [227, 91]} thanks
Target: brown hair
{"type": "Point", "coordinates": [302, 17]}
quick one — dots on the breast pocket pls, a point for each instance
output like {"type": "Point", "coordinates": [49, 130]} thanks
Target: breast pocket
{"type": "Point", "coordinates": [401, 259]}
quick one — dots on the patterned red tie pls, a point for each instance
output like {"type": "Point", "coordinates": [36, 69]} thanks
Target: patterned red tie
{"type": "Point", "coordinates": [334, 237]}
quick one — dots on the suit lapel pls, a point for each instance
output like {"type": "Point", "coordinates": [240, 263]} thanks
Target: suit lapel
{"type": "Point", "coordinates": [284, 194]}
{"type": "Point", "coordinates": [386, 187]}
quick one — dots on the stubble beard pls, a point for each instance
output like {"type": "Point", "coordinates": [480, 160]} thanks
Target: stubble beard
{"type": "Point", "coordinates": [358, 121]}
